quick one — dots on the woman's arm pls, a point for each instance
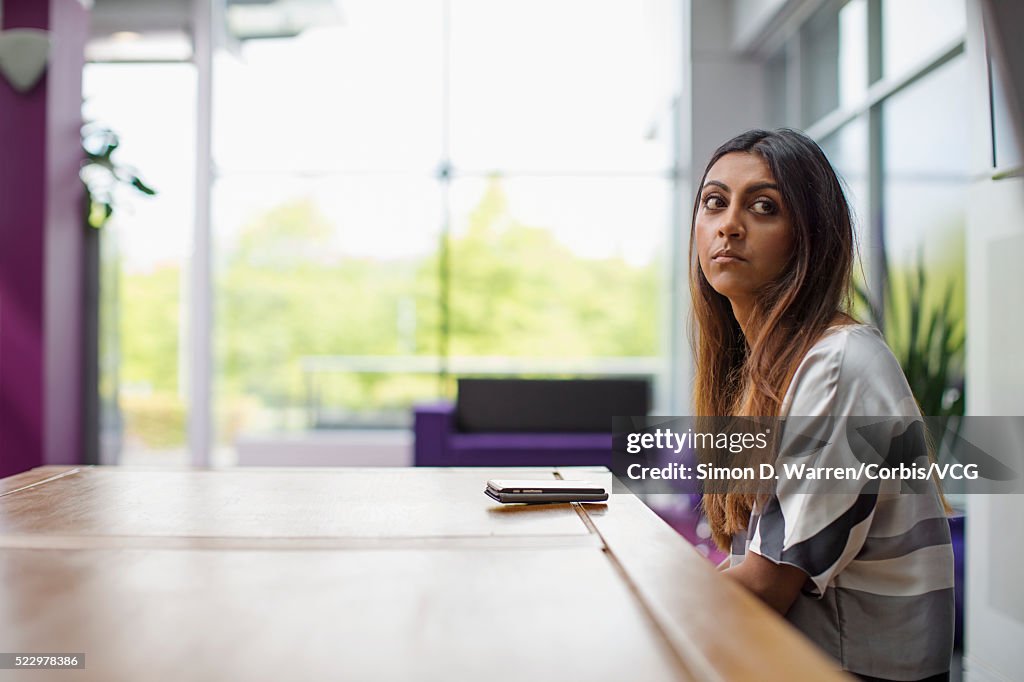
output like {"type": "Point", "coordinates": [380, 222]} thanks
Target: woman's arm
{"type": "Point", "coordinates": [777, 585]}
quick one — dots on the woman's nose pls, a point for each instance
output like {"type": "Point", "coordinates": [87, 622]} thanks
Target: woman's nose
{"type": "Point", "coordinates": [731, 226]}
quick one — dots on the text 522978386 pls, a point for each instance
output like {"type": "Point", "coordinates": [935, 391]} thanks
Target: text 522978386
{"type": "Point", "coordinates": [41, 661]}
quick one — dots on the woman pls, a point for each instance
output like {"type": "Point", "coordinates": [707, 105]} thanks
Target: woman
{"type": "Point", "coordinates": [867, 573]}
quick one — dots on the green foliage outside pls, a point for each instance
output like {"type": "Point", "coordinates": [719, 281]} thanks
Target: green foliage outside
{"type": "Point", "coordinates": [516, 291]}
{"type": "Point", "coordinates": [925, 322]}
{"type": "Point", "coordinates": [152, 405]}
{"type": "Point", "coordinates": [150, 332]}
{"type": "Point", "coordinates": [286, 290]}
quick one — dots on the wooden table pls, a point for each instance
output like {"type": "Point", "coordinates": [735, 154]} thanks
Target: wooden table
{"type": "Point", "coordinates": [365, 574]}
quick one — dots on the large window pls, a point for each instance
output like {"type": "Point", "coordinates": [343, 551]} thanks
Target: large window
{"type": "Point", "coordinates": [434, 187]}
{"type": "Point", "coordinates": [402, 191]}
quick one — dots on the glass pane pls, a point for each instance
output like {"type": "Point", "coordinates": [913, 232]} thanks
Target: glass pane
{"type": "Point", "coordinates": [363, 95]}
{"type": "Point", "coordinates": [847, 149]}
{"type": "Point", "coordinates": [326, 295]}
{"type": "Point", "coordinates": [833, 53]}
{"type": "Point", "coordinates": [558, 268]}
{"type": "Point", "coordinates": [152, 108]}
{"type": "Point", "coordinates": [926, 183]}
{"type": "Point", "coordinates": [912, 30]}
{"type": "Point", "coordinates": [925, 197]}
{"type": "Point", "coordinates": [568, 85]}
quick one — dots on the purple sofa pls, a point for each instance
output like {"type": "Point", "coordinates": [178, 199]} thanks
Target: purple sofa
{"type": "Point", "coordinates": [440, 443]}
{"type": "Point", "coordinates": [527, 422]}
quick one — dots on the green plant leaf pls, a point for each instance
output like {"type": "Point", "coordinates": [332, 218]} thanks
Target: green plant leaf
{"type": "Point", "coordinates": [100, 173]}
{"type": "Point", "coordinates": [862, 299]}
{"type": "Point", "coordinates": [138, 184]}
{"type": "Point", "coordinates": [928, 338]}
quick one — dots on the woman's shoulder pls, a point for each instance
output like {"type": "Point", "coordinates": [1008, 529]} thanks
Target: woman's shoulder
{"type": "Point", "coordinates": [852, 347]}
{"type": "Point", "coordinates": [852, 364]}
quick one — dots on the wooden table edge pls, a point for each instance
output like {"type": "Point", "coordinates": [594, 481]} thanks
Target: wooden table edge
{"type": "Point", "coordinates": [36, 477]}
{"type": "Point", "coordinates": [742, 646]}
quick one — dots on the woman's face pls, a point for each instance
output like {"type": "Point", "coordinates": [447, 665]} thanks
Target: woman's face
{"type": "Point", "coordinates": [743, 232]}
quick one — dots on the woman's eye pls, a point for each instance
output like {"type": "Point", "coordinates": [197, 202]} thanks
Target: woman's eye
{"type": "Point", "coordinates": [713, 201]}
{"type": "Point", "coordinates": [764, 207]}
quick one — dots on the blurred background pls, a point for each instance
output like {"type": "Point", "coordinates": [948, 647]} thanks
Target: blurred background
{"type": "Point", "coordinates": [307, 220]}
{"type": "Point", "coordinates": [396, 192]}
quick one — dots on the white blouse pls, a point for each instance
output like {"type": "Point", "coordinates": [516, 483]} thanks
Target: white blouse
{"type": "Point", "coordinates": [879, 597]}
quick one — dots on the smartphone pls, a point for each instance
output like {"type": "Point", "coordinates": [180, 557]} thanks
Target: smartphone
{"type": "Point", "coordinates": [548, 490]}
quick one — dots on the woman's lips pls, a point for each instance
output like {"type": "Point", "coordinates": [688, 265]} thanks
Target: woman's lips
{"type": "Point", "coordinates": [725, 258]}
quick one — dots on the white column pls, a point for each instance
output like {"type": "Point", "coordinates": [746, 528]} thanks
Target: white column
{"type": "Point", "coordinates": [200, 292]}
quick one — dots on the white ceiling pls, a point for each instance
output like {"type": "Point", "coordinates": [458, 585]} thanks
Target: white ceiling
{"type": "Point", "coordinates": [140, 16]}
{"type": "Point", "coordinates": [175, 16]}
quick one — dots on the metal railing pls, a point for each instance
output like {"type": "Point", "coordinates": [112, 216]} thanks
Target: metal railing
{"type": "Point", "coordinates": [316, 370]}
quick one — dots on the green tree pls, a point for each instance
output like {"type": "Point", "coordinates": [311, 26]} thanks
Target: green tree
{"type": "Point", "coordinates": [286, 289]}
{"type": "Point", "coordinates": [150, 328]}
{"type": "Point", "coordinates": [518, 291]}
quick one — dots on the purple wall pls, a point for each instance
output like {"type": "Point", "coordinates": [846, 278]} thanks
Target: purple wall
{"type": "Point", "coordinates": [40, 247]}
{"type": "Point", "coordinates": [65, 241]}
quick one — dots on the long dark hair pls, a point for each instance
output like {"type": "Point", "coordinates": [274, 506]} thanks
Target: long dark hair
{"type": "Point", "coordinates": [740, 376]}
